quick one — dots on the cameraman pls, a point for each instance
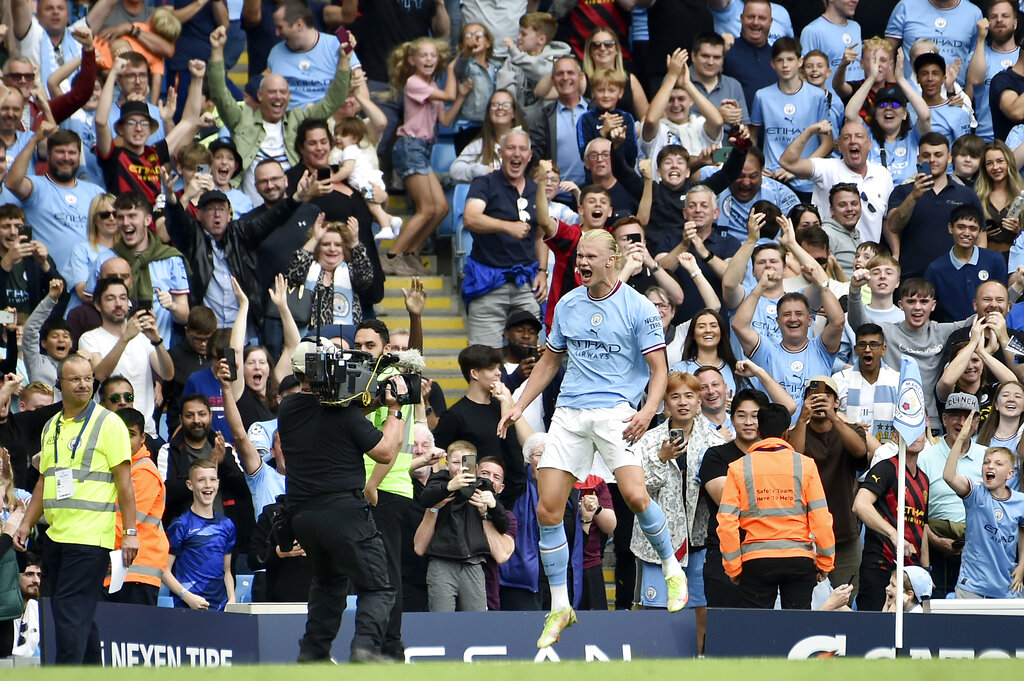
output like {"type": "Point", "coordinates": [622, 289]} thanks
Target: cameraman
{"type": "Point", "coordinates": [464, 525]}
{"type": "Point", "coordinates": [330, 517]}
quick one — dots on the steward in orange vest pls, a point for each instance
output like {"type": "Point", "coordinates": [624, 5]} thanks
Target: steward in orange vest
{"type": "Point", "coordinates": [142, 583]}
{"type": "Point", "coordinates": [774, 524]}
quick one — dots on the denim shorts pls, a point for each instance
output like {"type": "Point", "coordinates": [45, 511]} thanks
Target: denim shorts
{"type": "Point", "coordinates": [411, 156]}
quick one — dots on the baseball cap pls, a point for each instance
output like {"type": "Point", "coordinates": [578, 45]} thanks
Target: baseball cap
{"type": "Point", "coordinates": [310, 345]}
{"type": "Point", "coordinates": [261, 434]}
{"type": "Point", "coordinates": [926, 58]}
{"type": "Point", "coordinates": [522, 316]}
{"type": "Point", "coordinates": [827, 380]}
{"type": "Point", "coordinates": [920, 581]}
{"type": "Point", "coordinates": [287, 383]}
{"type": "Point", "coordinates": [890, 94]}
{"type": "Point", "coordinates": [136, 109]}
{"type": "Point", "coordinates": [225, 143]}
{"type": "Point", "coordinates": [211, 196]}
{"type": "Point", "coordinates": [962, 402]}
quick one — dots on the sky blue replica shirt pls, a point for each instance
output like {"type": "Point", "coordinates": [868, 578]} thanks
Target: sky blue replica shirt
{"type": "Point", "coordinates": [783, 118]}
{"type": "Point", "coordinates": [728, 21]}
{"type": "Point", "coordinates": [833, 39]}
{"type": "Point", "coordinates": [793, 369]}
{"type": "Point", "coordinates": [59, 215]}
{"type": "Point", "coordinates": [733, 218]}
{"type": "Point", "coordinates": [953, 30]}
{"type": "Point", "coordinates": [994, 63]}
{"type": "Point", "coordinates": [606, 340]}
{"type": "Point", "coordinates": [308, 73]}
{"type": "Point", "coordinates": [990, 543]}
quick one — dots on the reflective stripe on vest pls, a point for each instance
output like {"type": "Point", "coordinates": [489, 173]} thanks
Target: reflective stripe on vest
{"type": "Point", "coordinates": [79, 505]}
{"type": "Point", "coordinates": [798, 507]}
{"type": "Point", "coordinates": [147, 570]}
{"type": "Point", "coordinates": [776, 545]}
{"type": "Point", "coordinates": [147, 519]}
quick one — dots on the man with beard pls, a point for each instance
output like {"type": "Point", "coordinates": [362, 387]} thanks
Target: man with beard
{"type": "Point", "coordinates": [57, 203]}
{"type": "Point", "coordinates": [130, 347]}
{"type": "Point", "coordinates": [197, 440]}
{"type": "Point", "coordinates": [132, 164]}
{"type": "Point", "coordinates": [159, 276]}
{"type": "Point", "coordinates": [518, 357]}
{"type": "Point", "coordinates": [86, 317]}
{"type": "Point", "coordinates": [26, 627]}
{"type": "Point", "coordinates": [751, 187]}
{"type": "Point", "coordinates": [868, 392]}
{"type": "Point", "coordinates": [275, 252]}
{"type": "Point", "coordinates": [996, 53]}
{"type": "Point", "coordinates": [220, 248]}
{"type": "Point", "coordinates": [872, 180]}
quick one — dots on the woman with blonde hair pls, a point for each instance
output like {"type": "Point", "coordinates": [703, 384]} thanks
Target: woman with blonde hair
{"type": "Point", "coordinates": [85, 256]}
{"type": "Point", "coordinates": [998, 185]}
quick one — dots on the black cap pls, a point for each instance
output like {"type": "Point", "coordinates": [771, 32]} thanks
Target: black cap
{"type": "Point", "coordinates": [521, 317]}
{"type": "Point", "coordinates": [225, 143]}
{"type": "Point", "coordinates": [890, 94]}
{"type": "Point", "coordinates": [136, 109]}
{"type": "Point", "coordinates": [929, 58]}
{"type": "Point", "coordinates": [287, 383]}
{"type": "Point", "coordinates": [210, 196]}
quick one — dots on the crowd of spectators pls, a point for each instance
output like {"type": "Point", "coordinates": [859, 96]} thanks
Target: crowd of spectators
{"type": "Point", "coordinates": [803, 199]}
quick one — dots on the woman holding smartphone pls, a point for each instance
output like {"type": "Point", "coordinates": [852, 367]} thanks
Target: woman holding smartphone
{"type": "Point", "coordinates": [671, 454]}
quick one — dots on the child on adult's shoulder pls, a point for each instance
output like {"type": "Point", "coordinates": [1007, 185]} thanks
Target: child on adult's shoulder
{"type": "Point", "coordinates": [530, 55]}
{"type": "Point", "coordinates": [360, 175]}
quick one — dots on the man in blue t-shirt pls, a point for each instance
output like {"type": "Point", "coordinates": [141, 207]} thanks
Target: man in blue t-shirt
{"type": "Point", "coordinates": [1000, 53]}
{"type": "Point", "coordinates": [794, 359]}
{"type": "Point", "coordinates": [832, 33]}
{"type": "Point", "coordinates": [783, 110]}
{"type": "Point", "coordinates": [950, 121]}
{"type": "Point", "coordinates": [752, 186]}
{"type": "Point", "coordinates": [615, 345]}
{"type": "Point", "coordinates": [199, 568]}
{"type": "Point", "coordinates": [951, 24]}
{"type": "Point", "coordinates": [306, 58]}
{"type": "Point", "coordinates": [56, 204]}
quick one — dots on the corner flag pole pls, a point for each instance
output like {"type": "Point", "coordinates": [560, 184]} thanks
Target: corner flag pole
{"type": "Point", "coordinates": [910, 421]}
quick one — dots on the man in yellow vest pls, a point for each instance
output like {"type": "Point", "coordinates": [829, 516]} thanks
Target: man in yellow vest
{"type": "Point", "coordinates": [86, 467]}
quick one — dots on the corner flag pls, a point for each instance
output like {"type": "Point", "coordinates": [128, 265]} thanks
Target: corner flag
{"type": "Point", "coordinates": [910, 418]}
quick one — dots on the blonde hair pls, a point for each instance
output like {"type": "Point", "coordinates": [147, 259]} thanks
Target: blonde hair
{"type": "Point", "coordinates": [877, 43]}
{"type": "Point", "coordinates": [883, 259]}
{"type": "Point", "coordinates": [603, 237]}
{"type": "Point", "coordinates": [165, 24]}
{"type": "Point", "coordinates": [541, 22]}
{"type": "Point", "coordinates": [94, 208]}
{"type": "Point", "coordinates": [400, 68]}
{"type": "Point", "coordinates": [608, 77]}
{"type": "Point", "coordinates": [588, 61]}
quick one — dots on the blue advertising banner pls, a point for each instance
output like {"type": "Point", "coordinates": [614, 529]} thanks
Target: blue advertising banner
{"type": "Point", "coordinates": [800, 634]}
{"type": "Point", "coordinates": [140, 636]}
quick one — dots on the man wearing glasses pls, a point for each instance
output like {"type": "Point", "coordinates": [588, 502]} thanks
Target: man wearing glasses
{"type": "Point", "coordinates": [868, 392]}
{"type": "Point", "coordinates": [872, 180]}
{"type": "Point", "coordinates": [133, 164]}
{"type": "Point", "coordinates": [86, 467]}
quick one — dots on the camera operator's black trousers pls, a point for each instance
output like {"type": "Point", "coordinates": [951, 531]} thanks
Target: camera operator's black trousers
{"type": "Point", "coordinates": [341, 540]}
{"type": "Point", "coordinates": [388, 515]}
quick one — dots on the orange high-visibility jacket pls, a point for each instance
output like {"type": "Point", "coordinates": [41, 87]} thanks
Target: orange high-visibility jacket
{"type": "Point", "coordinates": [774, 495]}
{"type": "Point", "coordinates": [150, 494]}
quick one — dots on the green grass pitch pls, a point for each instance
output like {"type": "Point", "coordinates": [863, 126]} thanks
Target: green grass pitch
{"type": "Point", "coordinates": [845, 669]}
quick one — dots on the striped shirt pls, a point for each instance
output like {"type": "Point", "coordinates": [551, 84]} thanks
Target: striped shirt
{"type": "Point", "coordinates": [873, 405]}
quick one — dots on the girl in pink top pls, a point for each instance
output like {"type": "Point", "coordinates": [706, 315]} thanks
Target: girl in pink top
{"type": "Point", "coordinates": [414, 68]}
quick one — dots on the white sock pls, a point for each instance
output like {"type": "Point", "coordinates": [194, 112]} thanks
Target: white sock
{"type": "Point", "coordinates": [671, 567]}
{"type": "Point", "coordinates": [560, 597]}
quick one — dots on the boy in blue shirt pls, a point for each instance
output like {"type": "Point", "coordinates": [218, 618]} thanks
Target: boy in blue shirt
{"type": "Point", "coordinates": [199, 568]}
{"type": "Point", "coordinates": [949, 121]}
{"type": "Point", "coordinates": [784, 110]}
{"type": "Point", "coordinates": [991, 564]}
{"type": "Point", "coordinates": [956, 276]}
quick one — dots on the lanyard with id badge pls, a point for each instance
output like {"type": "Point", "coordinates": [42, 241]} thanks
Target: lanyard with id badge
{"type": "Point", "coordinates": [65, 476]}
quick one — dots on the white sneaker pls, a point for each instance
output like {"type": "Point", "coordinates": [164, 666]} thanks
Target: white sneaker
{"type": "Point", "coordinates": [385, 234]}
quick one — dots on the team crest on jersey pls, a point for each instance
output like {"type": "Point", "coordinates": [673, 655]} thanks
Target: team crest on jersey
{"type": "Point", "coordinates": [940, 23]}
{"type": "Point", "coordinates": [797, 365]}
{"type": "Point", "coordinates": [847, 38]}
{"type": "Point", "coordinates": [304, 65]}
{"type": "Point", "coordinates": [771, 309]}
{"type": "Point", "coordinates": [900, 151]}
{"type": "Point", "coordinates": [71, 199]}
{"type": "Point", "coordinates": [596, 319]}
{"type": "Point", "coordinates": [998, 514]}
{"type": "Point", "coordinates": [983, 275]}
{"type": "Point", "coordinates": [1006, 63]}
{"type": "Point", "coordinates": [789, 109]}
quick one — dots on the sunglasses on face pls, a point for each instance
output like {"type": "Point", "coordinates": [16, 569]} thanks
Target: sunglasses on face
{"type": "Point", "coordinates": [121, 398]}
{"type": "Point", "coordinates": [104, 214]}
{"type": "Point", "coordinates": [607, 44]}
{"type": "Point", "coordinates": [889, 105]}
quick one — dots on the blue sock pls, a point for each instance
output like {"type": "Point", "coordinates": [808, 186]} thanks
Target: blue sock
{"type": "Point", "coordinates": [655, 527]}
{"type": "Point", "coordinates": [554, 553]}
